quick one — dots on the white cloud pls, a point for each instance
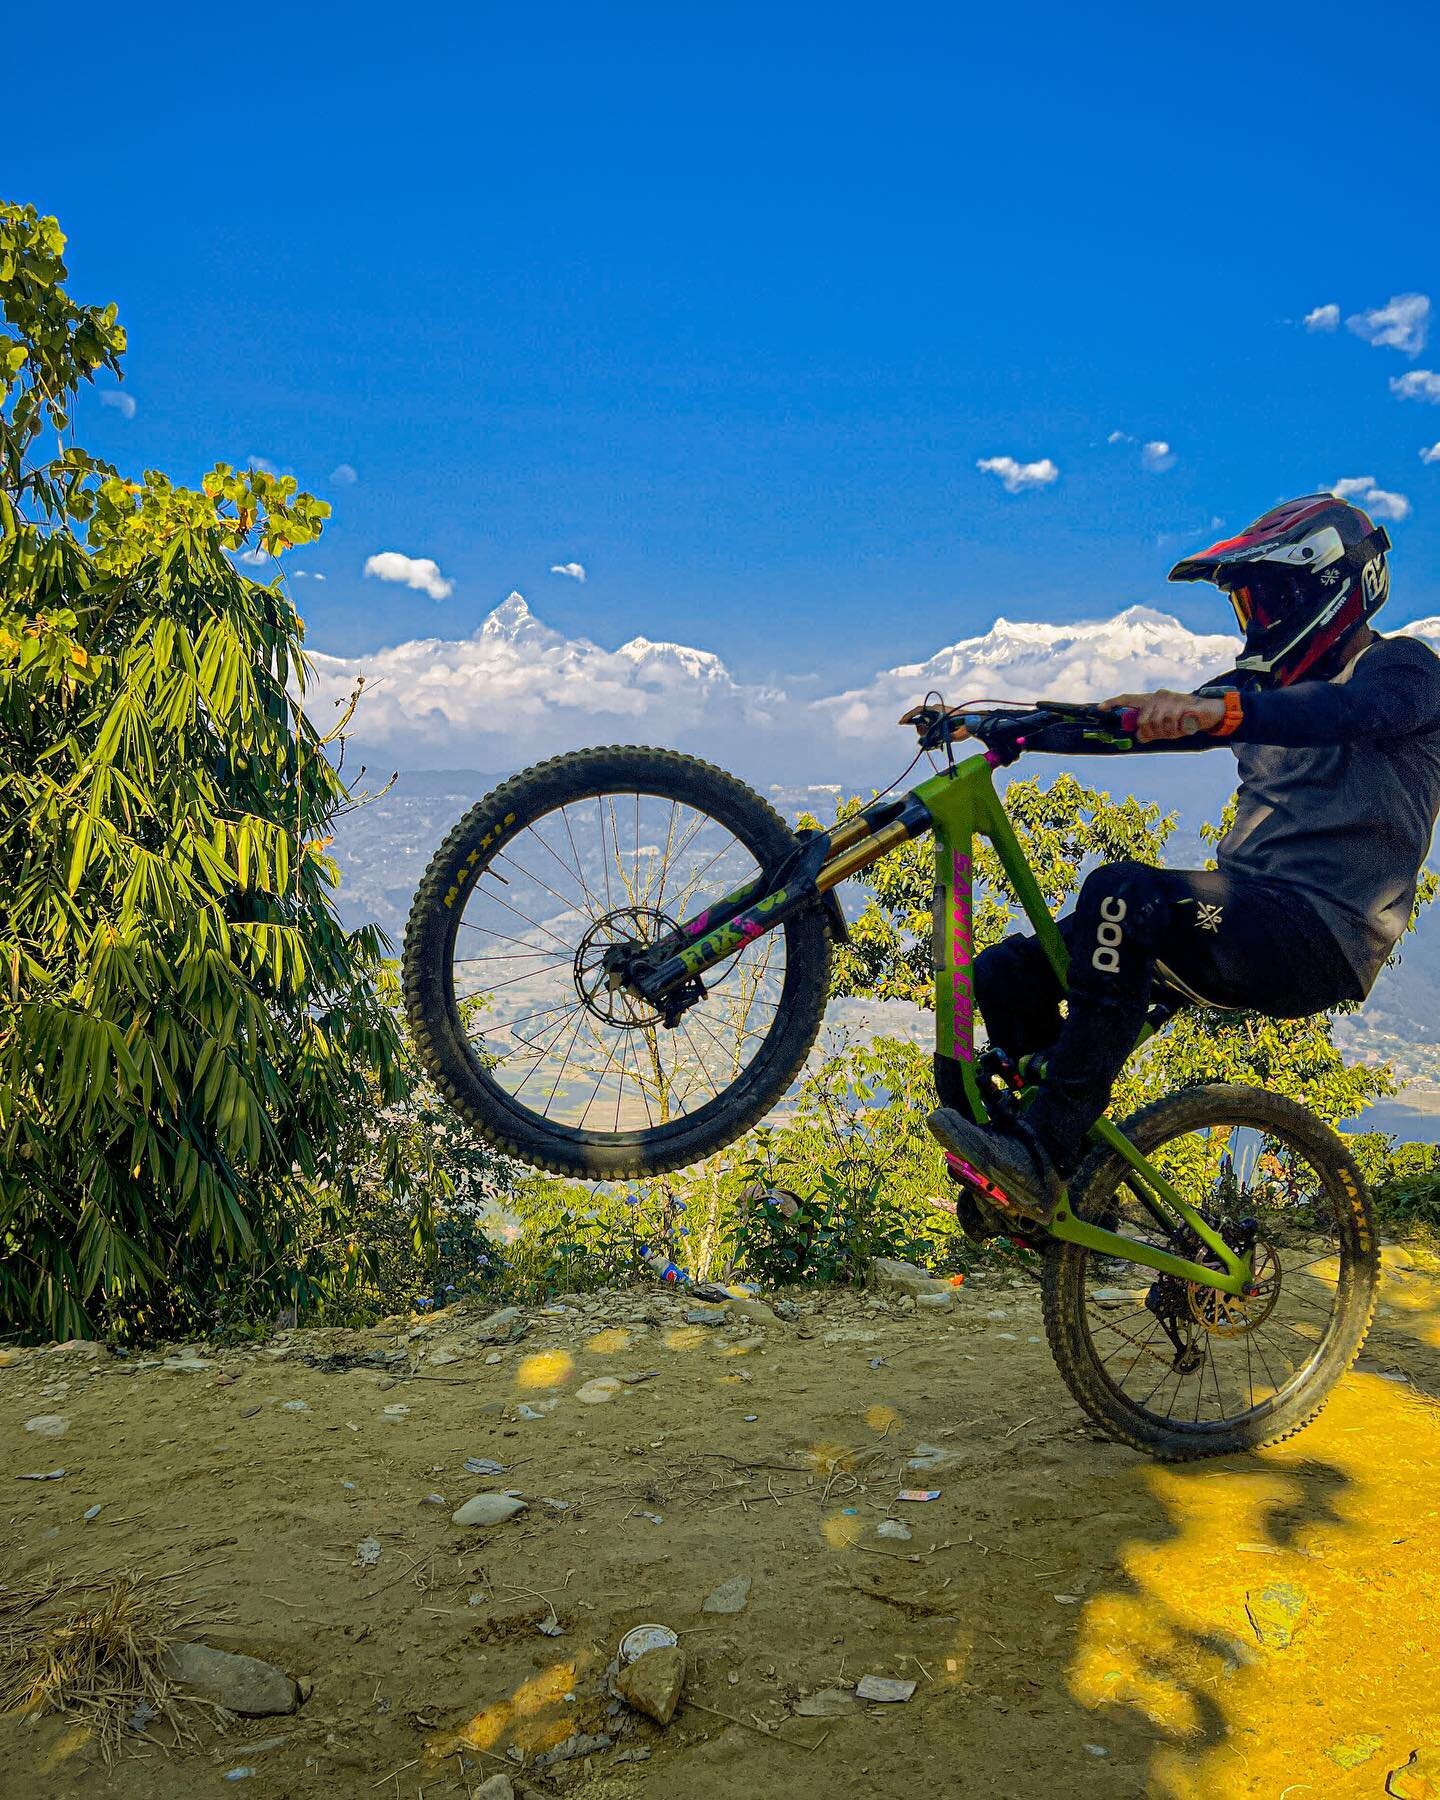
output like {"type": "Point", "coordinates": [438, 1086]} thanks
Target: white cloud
{"type": "Point", "coordinates": [259, 462]}
{"type": "Point", "coordinates": [1417, 384]}
{"type": "Point", "coordinates": [1431, 454]}
{"type": "Point", "coordinates": [1324, 318]}
{"type": "Point", "coordinates": [343, 475]}
{"type": "Point", "coordinates": [124, 404]}
{"type": "Point", "coordinates": [413, 571]}
{"type": "Point", "coordinates": [306, 575]}
{"type": "Point", "coordinates": [1016, 476]}
{"type": "Point", "coordinates": [576, 571]}
{"type": "Point", "coordinates": [1377, 501]}
{"type": "Point", "coordinates": [1156, 455]}
{"type": "Point", "coordinates": [255, 556]}
{"type": "Point", "coordinates": [1139, 648]}
{"type": "Point", "coordinates": [517, 689]}
{"type": "Point", "coordinates": [1401, 324]}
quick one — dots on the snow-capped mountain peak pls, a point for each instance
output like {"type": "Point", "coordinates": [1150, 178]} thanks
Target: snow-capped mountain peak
{"type": "Point", "coordinates": [512, 621]}
{"type": "Point", "coordinates": [699, 665]}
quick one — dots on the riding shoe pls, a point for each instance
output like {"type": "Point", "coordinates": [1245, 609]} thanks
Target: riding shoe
{"type": "Point", "coordinates": [1014, 1160]}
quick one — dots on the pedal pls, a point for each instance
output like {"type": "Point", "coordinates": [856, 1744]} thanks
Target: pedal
{"type": "Point", "coordinates": [967, 1175]}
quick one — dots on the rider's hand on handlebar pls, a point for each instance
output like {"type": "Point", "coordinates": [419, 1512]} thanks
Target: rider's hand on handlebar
{"type": "Point", "coordinates": [1168, 715]}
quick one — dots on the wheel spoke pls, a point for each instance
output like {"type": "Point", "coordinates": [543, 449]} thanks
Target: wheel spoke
{"type": "Point", "coordinates": [509, 862]}
{"type": "Point", "coordinates": [534, 924]}
{"type": "Point", "coordinates": [510, 1024]}
{"type": "Point", "coordinates": [565, 819]}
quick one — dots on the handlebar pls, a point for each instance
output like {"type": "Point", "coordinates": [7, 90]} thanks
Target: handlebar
{"type": "Point", "coordinates": [1006, 731]}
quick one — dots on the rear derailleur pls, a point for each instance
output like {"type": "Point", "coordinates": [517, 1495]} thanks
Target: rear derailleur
{"type": "Point", "coordinates": [1169, 1302]}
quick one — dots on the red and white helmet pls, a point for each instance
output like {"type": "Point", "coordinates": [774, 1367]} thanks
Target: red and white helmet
{"type": "Point", "coordinates": [1301, 578]}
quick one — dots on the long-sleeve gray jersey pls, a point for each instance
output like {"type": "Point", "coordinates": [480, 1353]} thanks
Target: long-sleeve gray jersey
{"type": "Point", "coordinates": [1339, 792]}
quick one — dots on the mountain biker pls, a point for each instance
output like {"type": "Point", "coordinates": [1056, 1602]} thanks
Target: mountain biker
{"type": "Point", "coordinates": [1336, 731]}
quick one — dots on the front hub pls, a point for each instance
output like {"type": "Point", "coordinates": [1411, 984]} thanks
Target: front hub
{"type": "Point", "coordinates": [605, 958]}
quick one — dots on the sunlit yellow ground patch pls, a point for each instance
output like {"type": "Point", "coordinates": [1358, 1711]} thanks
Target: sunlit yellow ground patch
{"type": "Point", "coordinates": [609, 1342]}
{"type": "Point", "coordinates": [545, 1369]}
{"type": "Point", "coordinates": [882, 1418]}
{"type": "Point", "coordinates": [535, 1717]}
{"type": "Point", "coordinates": [827, 1457]}
{"type": "Point", "coordinates": [1347, 1515]}
{"type": "Point", "coordinates": [73, 1740]}
{"type": "Point", "coordinates": [840, 1529]}
{"type": "Point", "coordinates": [685, 1337]}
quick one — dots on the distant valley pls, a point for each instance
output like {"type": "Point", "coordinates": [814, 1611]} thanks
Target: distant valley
{"type": "Point", "coordinates": [384, 845]}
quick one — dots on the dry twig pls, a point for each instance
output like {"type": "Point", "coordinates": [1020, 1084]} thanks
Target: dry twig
{"type": "Point", "coordinates": [95, 1649]}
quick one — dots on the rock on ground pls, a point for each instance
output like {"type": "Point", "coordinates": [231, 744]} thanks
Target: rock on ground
{"type": "Point", "coordinates": [487, 1509]}
{"type": "Point", "coordinates": [892, 1276]}
{"type": "Point", "coordinates": [51, 1425]}
{"type": "Point", "coordinates": [652, 1684]}
{"type": "Point", "coordinates": [1276, 1613]}
{"type": "Point", "coordinates": [731, 1596]}
{"type": "Point", "coordinates": [598, 1391]}
{"type": "Point", "coordinates": [752, 1312]}
{"type": "Point", "coordinates": [243, 1684]}
{"type": "Point", "coordinates": [501, 1327]}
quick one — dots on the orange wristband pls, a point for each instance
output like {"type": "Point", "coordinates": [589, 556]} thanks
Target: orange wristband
{"type": "Point", "coordinates": [1233, 715]}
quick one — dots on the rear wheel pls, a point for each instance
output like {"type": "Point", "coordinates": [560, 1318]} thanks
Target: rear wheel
{"type": "Point", "coordinates": [1179, 1369]}
{"type": "Point", "coordinates": [504, 951]}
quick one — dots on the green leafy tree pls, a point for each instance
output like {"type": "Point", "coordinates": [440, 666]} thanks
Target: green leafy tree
{"type": "Point", "coordinates": [192, 1049]}
{"type": "Point", "coordinates": [844, 1175]}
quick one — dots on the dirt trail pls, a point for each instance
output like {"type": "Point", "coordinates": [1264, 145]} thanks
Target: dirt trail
{"type": "Point", "coordinates": [1074, 1616]}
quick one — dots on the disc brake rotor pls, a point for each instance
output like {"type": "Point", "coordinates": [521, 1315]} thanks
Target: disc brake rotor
{"type": "Point", "coordinates": [603, 995]}
{"type": "Point", "coordinates": [1232, 1315]}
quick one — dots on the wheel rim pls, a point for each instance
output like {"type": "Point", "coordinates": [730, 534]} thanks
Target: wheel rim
{"type": "Point", "coordinates": [1223, 1360]}
{"type": "Point", "coordinates": [525, 976]}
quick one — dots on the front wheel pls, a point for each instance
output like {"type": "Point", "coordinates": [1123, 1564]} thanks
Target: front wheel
{"type": "Point", "coordinates": [504, 965]}
{"type": "Point", "coordinates": [1181, 1370]}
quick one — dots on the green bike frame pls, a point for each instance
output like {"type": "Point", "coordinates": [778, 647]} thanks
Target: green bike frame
{"type": "Point", "coordinates": [957, 806]}
{"type": "Point", "coordinates": [963, 805]}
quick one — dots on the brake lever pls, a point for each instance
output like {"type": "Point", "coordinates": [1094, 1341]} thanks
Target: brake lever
{"type": "Point", "coordinates": [933, 725]}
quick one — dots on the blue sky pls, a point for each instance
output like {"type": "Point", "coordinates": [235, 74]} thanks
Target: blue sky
{"type": "Point", "coordinates": [727, 304]}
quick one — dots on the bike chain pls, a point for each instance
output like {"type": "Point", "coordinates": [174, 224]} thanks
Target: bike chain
{"type": "Point", "coordinates": [1144, 1348]}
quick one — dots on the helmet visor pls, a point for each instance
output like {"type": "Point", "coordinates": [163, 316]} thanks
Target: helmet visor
{"type": "Point", "coordinates": [1264, 598]}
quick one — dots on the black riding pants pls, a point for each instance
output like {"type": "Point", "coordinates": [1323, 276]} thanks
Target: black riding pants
{"type": "Point", "coordinates": [1231, 940]}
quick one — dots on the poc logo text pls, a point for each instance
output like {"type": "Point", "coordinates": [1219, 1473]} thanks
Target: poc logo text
{"type": "Point", "coordinates": [1106, 955]}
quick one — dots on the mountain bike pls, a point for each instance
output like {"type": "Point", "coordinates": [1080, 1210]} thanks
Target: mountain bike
{"type": "Point", "coordinates": [618, 962]}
